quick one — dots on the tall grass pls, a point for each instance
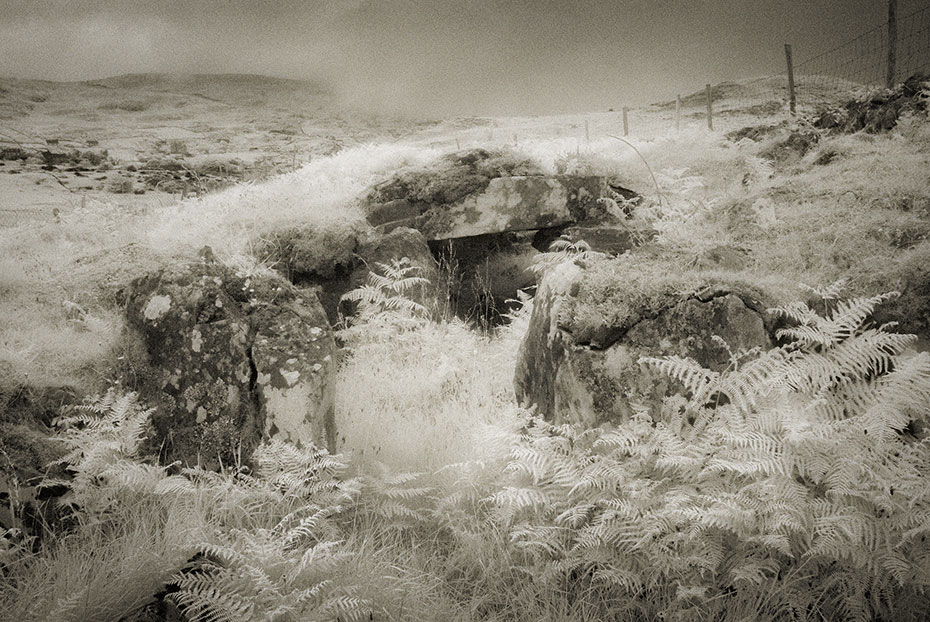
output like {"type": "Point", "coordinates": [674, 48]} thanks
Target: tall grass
{"type": "Point", "coordinates": [412, 393]}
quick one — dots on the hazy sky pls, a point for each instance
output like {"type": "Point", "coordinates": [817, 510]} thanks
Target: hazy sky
{"type": "Point", "coordinates": [438, 57]}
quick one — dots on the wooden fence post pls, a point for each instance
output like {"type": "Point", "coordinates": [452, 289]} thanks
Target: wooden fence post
{"type": "Point", "coordinates": [587, 132]}
{"type": "Point", "coordinates": [626, 123]}
{"type": "Point", "coordinates": [892, 42]}
{"type": "Point", "coordinates": [710, 108]}
{"type": "Point", "coordinates": [678, 114]}
{"type": "Point", "coordinates": [792, 102]}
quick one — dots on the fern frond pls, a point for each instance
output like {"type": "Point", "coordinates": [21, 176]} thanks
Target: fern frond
{"type": "Point", "coordinates": [686, 371]}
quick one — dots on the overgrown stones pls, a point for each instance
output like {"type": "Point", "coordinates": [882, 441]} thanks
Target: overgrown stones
{"type": "Point", "coordinates": [593, 320]}
{"type": "Point", "coordinates": [481, 192]}
{"type": "Point", "coordinates": [880, 111]}
{"type": "Point", "coordinates": [335, 260]}
{"type": "Point", "coordinates": [486, 214]}
{"type": "Point", "coordinates": [229, 359]}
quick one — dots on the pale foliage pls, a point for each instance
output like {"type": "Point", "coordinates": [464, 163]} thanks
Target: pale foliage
{"type": "Point", "coordinates": [796, 476]}
{"type": "Point", "coordinates": [410, 391]}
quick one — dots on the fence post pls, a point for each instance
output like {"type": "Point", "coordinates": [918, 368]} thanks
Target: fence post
{"type": "Point", "coordinates": [792, 102]}
{"type": "Point", "coordinates": [587, 132]}
{"type": "Point", "coordinates": [892, 42]}
{"type": "Point", "coordinates": [710, 108]}
{"type": "Point", "coordinates": [458, 147]}
{"type": "Point", "coordinates": [678, 114]}
{"type": "Point", "coordinates": [626, 123]}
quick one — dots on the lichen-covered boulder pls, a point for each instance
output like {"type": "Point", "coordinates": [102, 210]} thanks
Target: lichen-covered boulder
{"type": "Point", "coordinates": [229, 359]}
{"type": "Point", "coordinates": [506, 204]}
{"type": "Point", "coordinates": [480, 192]}
{"type": "Point", "coordinates": [292, 354]}
{"type": "Point", "coordinates": [593, 320]}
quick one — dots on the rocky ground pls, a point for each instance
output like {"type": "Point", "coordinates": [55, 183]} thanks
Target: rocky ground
{"type": "Point", "coordinates": [174, 136]}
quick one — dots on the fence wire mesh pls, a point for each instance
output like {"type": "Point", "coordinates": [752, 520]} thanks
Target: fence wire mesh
{"type": "Point", "coordinates": [848, 70]}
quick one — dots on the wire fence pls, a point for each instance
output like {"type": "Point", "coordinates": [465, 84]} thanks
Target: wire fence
{"type": "Point", "coordinates": [849, 70]}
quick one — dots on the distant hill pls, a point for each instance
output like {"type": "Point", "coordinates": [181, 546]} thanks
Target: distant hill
{"type": "Point", "coordinates": [231, 88]}
{"type": "Point", "coordinates": [176, 133]}
{"type": "Point", "coordinates": [20, 97]}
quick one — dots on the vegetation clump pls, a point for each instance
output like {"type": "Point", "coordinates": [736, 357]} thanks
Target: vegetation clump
{"type": "Point", "coordinates": [454, 177]}
{"type": "Point", "coordinates": [789, 486]}
{"type": "Point", "coordinates": [878, 111]}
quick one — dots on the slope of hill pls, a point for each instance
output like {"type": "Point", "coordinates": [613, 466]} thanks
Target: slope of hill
{"type": "Point", "coordinates": [175, 134]}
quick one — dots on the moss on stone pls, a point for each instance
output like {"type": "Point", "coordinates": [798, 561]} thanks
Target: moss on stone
{"type": "Point", "coordinates": [454, 177]}
{"type": "Point", "coordinates": [313, 252]}
{"type": "Point", "coordinates": [615, 294]}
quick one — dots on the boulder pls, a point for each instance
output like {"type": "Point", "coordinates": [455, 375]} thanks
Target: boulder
{"type": "Point", "coordinates": [335, 260]}
{"type": "Point", "coordinates": [480, 192]}
{"type": "Point", "coordinates": [507, 204]}
{"type": "Point", "coordinates": [593, 320]}
{"type": "Point", "coordinates": [229, 359]}
{"type": "Point", "coordinates": [722, 257]}
{"type": "Point", "coordinates": [400, 244]}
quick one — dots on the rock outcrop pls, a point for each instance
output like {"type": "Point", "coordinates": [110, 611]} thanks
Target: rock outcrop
{"type": "Point", "coordinates": [593, 320]}
{"type": "Point", "coordinates": [879, 112]}
{"type": "Point", "coordinates": [228, 359]}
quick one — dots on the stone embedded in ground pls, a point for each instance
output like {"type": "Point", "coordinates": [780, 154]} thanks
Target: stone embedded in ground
{"type": "Point", "coordinates": [229, 359]}
{"type": "Point", "coordinates": [292, 354]}
{"type": "Point", "coordinates": [314, 257]}
{"type": "Point", "coordinates": [593, 320]}
{"type": "Point", "coordinates": [404, 244]}
{"type": "Point", "coordinates": [722, 257]}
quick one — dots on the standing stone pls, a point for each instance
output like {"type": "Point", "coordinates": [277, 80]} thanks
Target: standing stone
{"type": "Point", "coordinates": [229, 359]}
{"type": "Point", "coordinates": [592, 321]}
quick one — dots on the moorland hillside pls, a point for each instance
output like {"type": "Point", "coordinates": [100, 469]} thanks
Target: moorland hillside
{"type": "Point", "coordinates": [493, 369]}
